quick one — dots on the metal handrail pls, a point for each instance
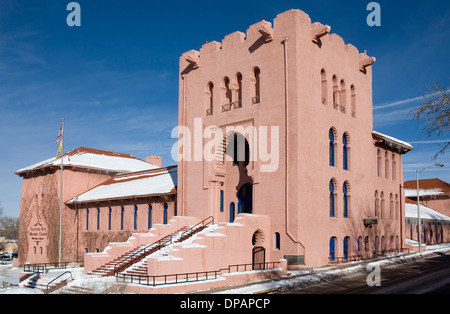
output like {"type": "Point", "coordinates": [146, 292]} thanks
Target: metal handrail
{"type": "Point", "coordinates": [185, 277]}
{"type": "Point", "coordinates": [140, 254]}
{"type": "Point", "coordinates": [67, 272]}
{"type": "Point", "coordinates": [204, 222]}
{"type": "Point", "coordinates": [44, 266]}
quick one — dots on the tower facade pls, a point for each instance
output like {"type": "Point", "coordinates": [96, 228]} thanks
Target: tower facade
{"type": "Point", "coordinates": [278, 122]}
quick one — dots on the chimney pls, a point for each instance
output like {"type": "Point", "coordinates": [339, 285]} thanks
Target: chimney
{"type": "Point", "coordinates": [154, 160]}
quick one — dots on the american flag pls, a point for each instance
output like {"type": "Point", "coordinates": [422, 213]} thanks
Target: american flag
{"type": "Point", "coordinates": [59, 135]}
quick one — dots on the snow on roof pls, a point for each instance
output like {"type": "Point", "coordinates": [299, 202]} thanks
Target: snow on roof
{"type": "Point", "coordinates": [145, 183]}
{"type": "Point", "coordinates": [425, 212]}
{"type": "Point", "coordinates": [432, 186]}
{"type": "Point", "coordinates": [393, 140]}
{"type": "Point", "coordinates": [422, 192]}
{"type": "Point", "coordinates": [95, 159]}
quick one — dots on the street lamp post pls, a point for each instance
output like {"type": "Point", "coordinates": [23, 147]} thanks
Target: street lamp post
{"type": "Point", "coordinates": [418, 204]}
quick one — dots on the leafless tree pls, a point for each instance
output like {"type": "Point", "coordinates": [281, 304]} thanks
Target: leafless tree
{"type": "Point", "coordinates": [436, 113]}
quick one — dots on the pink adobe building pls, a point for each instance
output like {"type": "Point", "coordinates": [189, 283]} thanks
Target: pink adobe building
{"type": "Point", "coordinates": [336, 190]}
{"type": "Point", "coordinates": [278, 161]}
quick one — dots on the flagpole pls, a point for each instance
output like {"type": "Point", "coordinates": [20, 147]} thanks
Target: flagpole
{"type": "Point", "coordinates": [61, 192]}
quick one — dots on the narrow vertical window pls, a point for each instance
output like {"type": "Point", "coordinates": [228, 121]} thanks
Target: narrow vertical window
{"type": "Point", "coordinates": [376, 203]}
{"type": "Point", "coordinates": [331, 147]}
{"type": "Point", "coordinates": [135, 217]}
{"type": "Point", "coordinates": [277, 240]}
{"type": "Point", "coordinates": [332, 249]}
{"type": "Point", "coordinates": [391, 206]}
{"type": "Point", "coordinates": [386, 165]}
{"type": "Point", "coordinates": [209, 94]}
{"type": "Point", "coordinates": [109, 218]}
{"type": "Point", "coordinates": [342, 97]}
{"type": "Point", "coordinates": [346, 199]}
{"type": "Point", "coordinates": [221, 201]}
{"type": "Point", "coordinates": [239, 91]}
{"type": "Point", "coordinates": [149, 217]}
{"type": "Point", "coordinates": [366, 243]}
{"type": "Point", "coordinates": [256, 86]}
{"type": "Point", "coordinates": [332, 199]}
{"type": "Point", "coordinates": [345, 151]}
{"type": "Point", "coordinates": [394, 168]}
{"type": "Point", "coordinates": [378, 163]}
{"type": "Point", "coordinates": [121, 217]}
{"type": "Point", "coordinates": [353, 100]}
{"type": "Point", "coordinates": [165, 214]}
{"type": "Point", "coordinates": [98, 218]}
{"type": "Point", "coordinates": [382, 204]}
{"type": "Point", "coordinates": [87, 219]}
{"type": "Point", "coordinates": [335, 93]}
{"type": "Point", "coordinates": [324, 86]}
{"type": "Point", "coordinates": [232, 211]}
{"type": "Point", "coordinates": [345, 247]}
{"type": "Point", "coordinates": [226, 96]}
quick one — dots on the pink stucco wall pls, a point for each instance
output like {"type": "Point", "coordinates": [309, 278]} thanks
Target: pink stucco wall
{"type": "Point", "coordinates": [296, 195]}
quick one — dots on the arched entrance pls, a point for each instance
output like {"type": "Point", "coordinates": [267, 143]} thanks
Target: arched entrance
{"type": "Point", "coordinates": [258, 251]}
{"type": "Point", "coordinates": [245, 198]}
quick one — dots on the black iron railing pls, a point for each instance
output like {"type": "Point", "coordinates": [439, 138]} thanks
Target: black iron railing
{"type": "Point", "coordinates": [42, 267]}
{"type": "Point", "coordinates": [191, 277]}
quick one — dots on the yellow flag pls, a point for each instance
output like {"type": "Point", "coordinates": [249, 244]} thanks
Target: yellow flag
{"type": "Point", "coordinates": [59, 149]}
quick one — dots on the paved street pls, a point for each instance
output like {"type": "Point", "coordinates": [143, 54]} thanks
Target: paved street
{"type": "Point", "coordinates": [428, 275]}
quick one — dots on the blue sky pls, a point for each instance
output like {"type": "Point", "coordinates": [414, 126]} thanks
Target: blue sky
{"type": "Point", "coordinates": [115, 78]}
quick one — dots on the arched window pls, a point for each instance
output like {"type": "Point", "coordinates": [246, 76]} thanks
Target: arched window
{"type": "Point", "coordinates": [165, 214]}
{"type": "Point", "coordinates": [324, 86]}
{"type": "Point", "coordinates": [87, 219]}
{"type": "Point", "coordinates": [332, 255]}
{"type": "Point", "coordinates": [378, 163]}
{"type": "Point", "coordinates": [209, 94]}
{"type": "Point", "coordinates": [226, 97]}
{"type": "Point", "coordinates": [149, 217]}
{"type": "Point", "coordinates": [353, 100]}
{"type": "Point", "coordinates": [109, 218]}
{"type": "Point", "coordinates": [239, 91]}
{"type": "Point", "coordinates": [366, 243]}
{"type": "Point", "coordinates": [221, 201]}
{"type": "Point", "coordinates": [359, 243]}
{"type": "Point", "coordinates": [397, 208]}
{"type": "Point", "coordinates": [335, 93]}
{"type": "Point", "coordinates": [232, 211]}
{"type": "Point", "coordinates": [342, 97]}
{"type": "Point", "coordinates": [382, 204]}
{"type": "Point", "coordinates": [256, 98]}
{"type": "Point", "coordinates": [394, 168]}
{"type": "Point", "coordinates": [122, 210]}
{"type": "Point", "coordinates": [332, 144]}
{"type": "Point", "coordinates": [98, 218]}
{"type": "Point", "coordinates": [345, 190]}
{"type": "Point", "coordinates": [135, 217]}
{"type": "Point", "coordinates": [345, 151]}
{"type": "Point", "coordinates": [386, 165]}
{"type": "Point", "coordinates": [376, 245]}
{"type": "Point", "coordinates": [332, 198]}
{"type": "Point", "coordinates": [376, 203]}
{"type": "Point", "coordinates": [391, 206]}
{"type": "Point", "coordinates": [277, 240]}
{"type": "Point", "coordinates": [345, 247]}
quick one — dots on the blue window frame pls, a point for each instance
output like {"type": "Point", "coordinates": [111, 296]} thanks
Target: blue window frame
{"type": "Point", "coordinates": [87, 219]}
{"type": "Point", "coordinates": [232, 211]}
{"type": "Point", "coordinates": [346, 247]}
{"type": "Point", "coordinates": [149, 217]}
{"type": "Point", "coordinates": [121, 217]}
{"type": "Point", "coordinates": [331, 137]}
{"type": "Point", "coordinates": [332, 199]}
{"type": "Point", "coordinates": [345, 152]}
{"type": "Point", "coordinates": [221, 200]}
{"type": "Point", "coordinates": [332, 249]}
{"type": "Point", "coordinates": [98, 218]}
{"type": "Point", "coordinates": [165, 214]}
{"type": "Point", "coordinates": [135, 217]}
{"type": "Point", "coordinates": [345, 191]}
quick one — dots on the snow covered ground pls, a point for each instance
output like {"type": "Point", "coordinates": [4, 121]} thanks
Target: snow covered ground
{"type": "Point", "coordinates": [300, 278]}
